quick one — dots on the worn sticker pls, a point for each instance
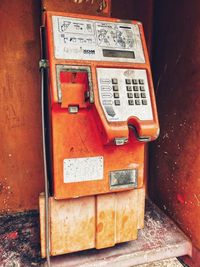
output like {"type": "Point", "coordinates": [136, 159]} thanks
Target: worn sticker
{"type": "Point", "coordinates": [83, 169]}
{"type": "Point", "coordinates": [84, 39]}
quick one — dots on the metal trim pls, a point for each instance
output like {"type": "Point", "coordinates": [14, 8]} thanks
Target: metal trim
{"type": "Point", "coordinates": [70, 68]}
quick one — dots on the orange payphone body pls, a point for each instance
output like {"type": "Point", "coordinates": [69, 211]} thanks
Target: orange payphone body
{"type": "Point", "coordinates": [102, 111]}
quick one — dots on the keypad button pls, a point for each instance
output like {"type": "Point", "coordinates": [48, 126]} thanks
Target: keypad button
{"type": "Point", "coordinates": [143, 95]}
{"type": "Point", "coordinates": [104, 81]}
{"type": "Point", "coordinates": [144, 102]}
{"type": "Point", "coordinates": [128, 88]}
{"type": "Point", "coordinates": [116, 95]}
{"type": "Point", "coordinates": [131, 102]}
{"type": "Point", "coordinates": [130, 95]}
{"type": "Point", "coordinates": [141, 81]}
{"type": "Point", "coordinates": [142, 88]}
{"type": "Point", "coordinates": [136, 95]}
{"type": "Point", "coordinates": [115, 88]}
{"type": "Point", "coordinates": [128, 81]}
{"type": "Point", "coordinates": [117, 102]}
{"type": "Point", "coordinates": [106, 95]}
{"type": "Point", "coordinates": [137, 102]}
{"type": "Point", "coordinates": [114, 81]}
{"type": "Point", "coordinates": [135, 88]}
{"type": "Point", "coordinates": [105, 88]}
{"type": "Point", "coordinates": [134, 81]}
{"type": "Point", "coordinates": [107, 102]}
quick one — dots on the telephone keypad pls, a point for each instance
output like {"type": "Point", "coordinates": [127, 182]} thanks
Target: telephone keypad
{"type": "Point", "coordinates": [122, 96]}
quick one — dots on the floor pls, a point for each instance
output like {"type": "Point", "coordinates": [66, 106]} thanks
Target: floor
{"type": "Point", "coordinates": [160, 239]}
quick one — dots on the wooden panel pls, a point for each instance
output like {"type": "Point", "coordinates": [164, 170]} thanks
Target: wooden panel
{"type": "Point", "coordinates": [92, 222]}
{"type": "Point", "coordinates": [21, 168]}
{"type": "Point", "coordinates": [127, 215]}
{"type": "Point", "coordinates": [105, 220]}
{"type": "Point", "coordinates": [175, 157]}
{"type": "Point", "coordinates": [89, 7]}
{"type": "Point", "coordinates": [141, 10]}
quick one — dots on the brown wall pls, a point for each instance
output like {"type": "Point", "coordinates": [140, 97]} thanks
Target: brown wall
{"type": "Point", "coordinates": [141, 10]}
{"type": "Point", "coordinates": [175, 157]}
{"type": "Point", "coordinates": [21, 172]}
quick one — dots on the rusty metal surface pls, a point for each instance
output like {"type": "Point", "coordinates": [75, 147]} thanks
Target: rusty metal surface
{"type": "Point", "coordinates": [175, 157]}
{"type": "Point", "coordinates": [160, 239]}
{"type": "Point", "coordinates": [21, 170]}
{"type": "Point", "coordinates": [89, 7]}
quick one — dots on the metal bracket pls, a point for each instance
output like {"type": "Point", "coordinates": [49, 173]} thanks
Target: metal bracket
{"type": "Point", "coordinates": [43, 64]}
{"type": "Point", "coordinates": [139, 138]}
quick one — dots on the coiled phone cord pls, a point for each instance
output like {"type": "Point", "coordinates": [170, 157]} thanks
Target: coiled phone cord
{"type": "Point", "coordinates": [47, 239]}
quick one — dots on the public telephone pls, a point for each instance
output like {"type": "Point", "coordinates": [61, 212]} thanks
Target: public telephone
{"type": "Point", "coordinates": [102, 112]}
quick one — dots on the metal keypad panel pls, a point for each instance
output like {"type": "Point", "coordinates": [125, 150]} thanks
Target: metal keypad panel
{"type": "Point", "coordinates": [124, 93]}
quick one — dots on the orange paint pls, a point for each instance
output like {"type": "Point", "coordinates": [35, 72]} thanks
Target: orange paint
{"type": "Point", "coordinates": [88, 133]}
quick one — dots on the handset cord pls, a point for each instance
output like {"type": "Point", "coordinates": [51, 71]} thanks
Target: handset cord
{"type": "Point", "coordinates": [47, 230]}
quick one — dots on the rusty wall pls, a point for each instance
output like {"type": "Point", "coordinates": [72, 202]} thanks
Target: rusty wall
{"type": "Point", "coordinates": [141, 10]}
{"type": "Point", "coordinates": [21, 171]}
{"type": "Point", "coordinates": [89, 7]}
{"type": "Point", "coordinates": [175, 157]}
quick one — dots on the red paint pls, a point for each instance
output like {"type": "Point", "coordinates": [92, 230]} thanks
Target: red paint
{"type": "Point", "coordinates": [180, 198]}
{"type": "Point", "coordinates": [12, 235]}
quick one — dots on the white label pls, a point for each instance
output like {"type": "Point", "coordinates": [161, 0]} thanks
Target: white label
{"type": "Point", "coordinates": [84, 39]}
{"type": "Point", "coordinates": [128, 94]}
{"type": "Point", "coordinates": [83, 169]}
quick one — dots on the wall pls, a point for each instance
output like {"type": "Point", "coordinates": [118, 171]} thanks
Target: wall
{"type": "Point", "coordinates": [141, 10]}
{"type": "Point", "coordinates": [21, 171]}
{"type": "Point", "coordinates": [175, 157]}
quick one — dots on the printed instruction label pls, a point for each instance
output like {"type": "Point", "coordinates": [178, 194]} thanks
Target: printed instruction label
{"type": "Point", "coordinates": [84, 39]}
{"type": "Point", "coordinates": [83, 169]}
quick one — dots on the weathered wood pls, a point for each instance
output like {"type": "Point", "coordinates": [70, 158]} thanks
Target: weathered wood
{"type": "Point", "coordinates": [89, 222]}
{"type": "Point", "coordinates": [160, 239]}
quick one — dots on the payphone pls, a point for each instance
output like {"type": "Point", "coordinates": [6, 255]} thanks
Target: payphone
{"type": "Point", "coordinates": [102, 111]}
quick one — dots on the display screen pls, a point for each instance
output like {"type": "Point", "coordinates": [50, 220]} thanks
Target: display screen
{"type": "Point", "coordinates": [118, 53]}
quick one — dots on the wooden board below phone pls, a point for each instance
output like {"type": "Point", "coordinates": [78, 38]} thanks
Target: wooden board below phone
{"type": "Point", "coordinates": [92, 222]}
